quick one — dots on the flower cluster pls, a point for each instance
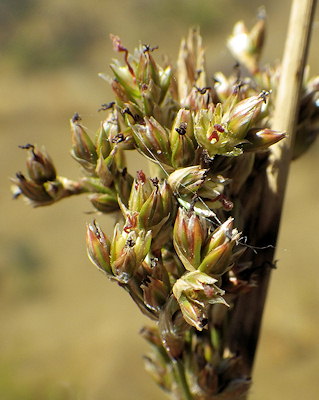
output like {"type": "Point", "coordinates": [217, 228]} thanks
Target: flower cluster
{"type": "Point", "coordinates": [176, 249]}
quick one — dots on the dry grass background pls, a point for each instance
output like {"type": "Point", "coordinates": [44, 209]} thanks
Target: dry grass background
{"type": "Point", "coordinates": [67, 333]}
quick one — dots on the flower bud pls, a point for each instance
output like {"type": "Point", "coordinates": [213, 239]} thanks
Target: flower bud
{"type": "Point", "coordinates": [154, 212]}
{"type": "Point", "coordinates": [151, 212]}
{"type": "Point", "coordinates": [153, 70]}
{"type": "Point", "coordinates": [247, 46]}
{"type": "Point", "coordinates": [141, 190]}
{"type": "Point", "coordinates": [217, 255]}
{"type": "Point", "coordinates": [128, 250]}
{"type": "Point", "coordinates": [189, 235]}
{"type": "Point", "coordinates": [119, 130]}
{"type": "Point", "coordinates": [152, 204]}
{"type": "Point", "coordinates": [165, 80]}
{"type": "Point", "coordinates": [56, 189]}
{"type": "Point", "coordinates": [152, 140]}
{"type": "Point", "coordinates": [39, 164]}
{"type": "Point", "coordinates": [32, 191]}
{"type": "Point", "coordinates": [198, 190]}
{"type": "Point", "coordinates": [212, 133]}
{"type": "Point", "coordinates": [182, 139]}
{"type": "Point", "coordinates": [168, 200]}
{"type": "Point", "coordinates": [194, 291]}
{"type": "Point", "coordinates": [103, 170]}
{"type": "Point", "coordinates": [119, 92]}
{"type": "Point", "coordinates": [107, 168]}
{"type": "Point", "coordinates": [245, 114]}
{"type": "Point", "coordinates": [151, 96]}
{"type": "Point", "coordinates": [105, 202]}
{"type": "Point", "coordinates": [83, 149]}
{"type": "Point", "coordinates": [125, 75]}
{"type": "Point", "coordinates": [188, 180]}
{"type": "Point", "coordinates": [130, 114]}
{"type": "Point", "coordinates": [212, 188]}
{"type": "Point", "coordinates": [261, 139]}
{"type": "Point", "coordinates": [103, 146]}
{"type": "Point", "coordinates": [190, 66]}
{"type": "Point", "coordinates": [98, 247]}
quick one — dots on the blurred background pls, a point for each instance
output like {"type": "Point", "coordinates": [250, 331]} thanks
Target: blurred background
{"type": "Point", "coordinates": [67, 332]}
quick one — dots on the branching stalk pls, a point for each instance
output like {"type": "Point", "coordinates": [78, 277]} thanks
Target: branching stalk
{"type": "Point", "coordinates": [218, 176]}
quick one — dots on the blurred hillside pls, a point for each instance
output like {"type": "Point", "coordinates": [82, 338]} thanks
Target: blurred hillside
{"type": "Point", "coordinates": [67, 333]}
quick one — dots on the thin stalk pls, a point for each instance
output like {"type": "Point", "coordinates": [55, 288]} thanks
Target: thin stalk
{"type": "Point", "coordinates": [181, 380]}
{"type": "Point", "coordinates": [287, 100]}
{"type": "Point", "coordinates": [263, 228]}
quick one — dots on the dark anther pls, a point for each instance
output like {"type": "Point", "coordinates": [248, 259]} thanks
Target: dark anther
{"type": "Point", "coordinates": [155, 181]}
{"type": "Point", "coordinates": [76, 118]}
{"type": "Point", "coordinates": [148, 48]}
{"type": "Point", "coordinates": [31, 147]}
{"type": "Point", "coordinates": [203, 90]}
{"type": "Point", "coordinates": [126, 110]}
{"type": "Point", "coordinates": [130, 242]}
{"type": "Point", "coordinates": [36, 157]}
{"type": "Point", "coordinates": [118, 138]}
{"type": "Point", "coordinates": [182, 128]}
{"type": "Point", "coordinates": [136, 117]}
{"type": "Point", "coordinates": [106, 106]}
{"type": "Point", "coordinates": [264, 95]}
{"type": "Point", "coordinates": [20, 176]}
{"type": "Point", "coordinates": [27, 146]}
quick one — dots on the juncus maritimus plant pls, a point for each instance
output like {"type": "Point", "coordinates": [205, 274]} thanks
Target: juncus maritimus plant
{"type": "Point", "coordinates": [191, 247]}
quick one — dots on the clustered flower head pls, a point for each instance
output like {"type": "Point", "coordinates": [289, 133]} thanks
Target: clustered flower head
{"type": "Point", "coordinates": [177, 246]}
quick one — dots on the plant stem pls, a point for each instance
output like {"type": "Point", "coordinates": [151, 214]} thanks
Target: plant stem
{"type": "Point", "coordinates": [181, 379]}
{"type": "Point", "coordinates": [264, 225]}
{"type": "Point", "coordinates": [287, 101]}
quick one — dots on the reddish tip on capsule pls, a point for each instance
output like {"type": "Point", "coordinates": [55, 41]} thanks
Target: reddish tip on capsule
{"type": "Point", "coordinates": [214, 135]}
{"type": "Point", "coordinates": [141, 176]}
